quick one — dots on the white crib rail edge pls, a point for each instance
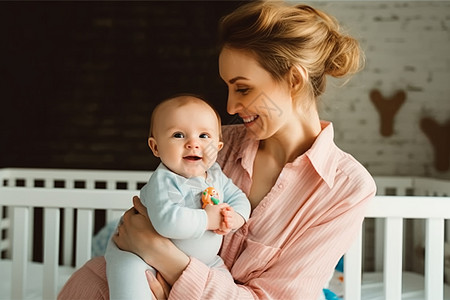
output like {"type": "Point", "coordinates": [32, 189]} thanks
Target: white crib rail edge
{"type": "Point", "coordinates": [414, 207]}
{"type": "Point", "coordinates": [73, 198]}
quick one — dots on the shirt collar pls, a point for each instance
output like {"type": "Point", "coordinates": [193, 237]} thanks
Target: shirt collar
{"type": "Point", "coordinates": [323, 154]}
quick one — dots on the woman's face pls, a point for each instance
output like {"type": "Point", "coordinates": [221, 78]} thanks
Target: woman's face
{"type": "Point", "coordinates": [265, 105]}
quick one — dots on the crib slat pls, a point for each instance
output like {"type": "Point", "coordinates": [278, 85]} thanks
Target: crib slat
{"type": "Point", "coordinates": [352, 270]}
{"type": "Point", "coordinates": [84, 233]}
{"type": "Point", "coordinates": [434, 259]}
{"type": "Point", "coordinates": [393, 258]}
{"type": "Point", "coordinates": [68, 236]}
{"type": "Point", "coordinates": [51, 250]}
{"type": "Point", "coordinates": [447, 231]}
{"type": "Point", "coordinates": [30, 229]}
{"type": "Point", "coordinates": [20, 249]}
{"type": "Point", "coordinates": [379, 244]}
{"type": "Point", "coordinates": [90, 185]}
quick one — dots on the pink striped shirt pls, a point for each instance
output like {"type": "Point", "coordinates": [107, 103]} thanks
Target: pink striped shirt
{"type": "Point", "coordinates": [288, 248]}
{"type": "Point", "coordinates": [294, 238]}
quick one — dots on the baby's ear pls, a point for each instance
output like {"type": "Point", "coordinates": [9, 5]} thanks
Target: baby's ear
{"type": "Point", "coordinates": [219, 146]}
{"type": "Point", "coordinates": [152, 144]}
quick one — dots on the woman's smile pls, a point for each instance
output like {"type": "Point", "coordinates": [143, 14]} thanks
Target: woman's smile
{"type": "Point", "coordinates": [248, 120]}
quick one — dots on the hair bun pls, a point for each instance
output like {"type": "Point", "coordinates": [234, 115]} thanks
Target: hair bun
{"type": "Point", "coordinates": [345, 56]}
{"type": "Point", "coordinates": [280, 36]}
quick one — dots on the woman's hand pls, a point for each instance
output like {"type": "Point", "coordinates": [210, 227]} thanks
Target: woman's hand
{"type": "Point", "coordinates": [160, 288]}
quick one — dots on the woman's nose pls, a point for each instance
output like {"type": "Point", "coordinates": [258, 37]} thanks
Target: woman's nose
{"type": "Point", "coordinates": [233, 106]}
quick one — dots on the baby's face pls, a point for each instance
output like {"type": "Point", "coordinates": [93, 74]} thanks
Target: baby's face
{"type": "Point", "coordinates": [186, 138]}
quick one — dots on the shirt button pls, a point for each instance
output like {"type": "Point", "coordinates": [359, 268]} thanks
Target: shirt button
{"type": "Point", "coordinates": [280, 186]}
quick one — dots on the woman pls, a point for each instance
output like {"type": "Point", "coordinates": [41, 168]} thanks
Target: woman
{"type": "Point", "coordinates": [308, 197]}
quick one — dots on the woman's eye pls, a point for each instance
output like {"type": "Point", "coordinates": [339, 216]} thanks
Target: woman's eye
{"type": "Point", "coordinates": [243, 91]}
{"type": "Point", "coordinates": [178, 135]}
{"type": "Point", "coordinates": [204, 136]}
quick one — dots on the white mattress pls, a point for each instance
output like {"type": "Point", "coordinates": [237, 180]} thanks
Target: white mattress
{"type": "Point", "coordinates": [34, 280]}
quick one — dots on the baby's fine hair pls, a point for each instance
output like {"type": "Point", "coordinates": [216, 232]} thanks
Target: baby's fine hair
{"type": "Point", "coordinates": [281, 36]}
{"type": "Point", "coordinates": [182, 99]}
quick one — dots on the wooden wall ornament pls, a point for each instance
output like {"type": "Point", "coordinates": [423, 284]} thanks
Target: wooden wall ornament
{"type": "Point", "coordinates": [439, 136]}
{"type": "Point", "coordinates": [387, 108]}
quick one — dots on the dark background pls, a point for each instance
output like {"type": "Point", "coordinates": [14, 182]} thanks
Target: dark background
{"type": "Point", "coordinates": [79, 79]}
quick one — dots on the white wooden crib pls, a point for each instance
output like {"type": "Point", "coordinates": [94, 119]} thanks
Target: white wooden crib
{"type": "Point", "coordinates": [70, 199]}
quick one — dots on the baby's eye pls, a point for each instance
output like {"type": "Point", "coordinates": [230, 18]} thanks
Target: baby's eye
{"type": "Point", "coordinates": [178, 135]}
{"type": "Point", "coordinates": [204, 136]}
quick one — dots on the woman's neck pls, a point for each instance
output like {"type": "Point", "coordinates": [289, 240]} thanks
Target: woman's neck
{"type": "Point", "coordinates": [292, 140]}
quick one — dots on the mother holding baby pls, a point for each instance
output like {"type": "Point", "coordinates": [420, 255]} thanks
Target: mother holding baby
{"type": "Point", "coordinates": [307, 196]}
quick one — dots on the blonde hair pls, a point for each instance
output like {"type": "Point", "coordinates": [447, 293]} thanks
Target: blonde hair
{"type": "Point", "coordinates": [283, 36]}
{"type": "Point", "coordinates": [183, 99]}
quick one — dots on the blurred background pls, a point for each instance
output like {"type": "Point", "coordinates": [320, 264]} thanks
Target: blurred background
{"type": "Point", "coordinates": [79, 80]}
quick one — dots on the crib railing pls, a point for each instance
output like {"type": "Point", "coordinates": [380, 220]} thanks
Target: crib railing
{"type": "Point", "coordinates": [407, 186]}
{"type": "Point", "coordinates": [85, 201]}
{"type": "Point", "coordinates": [60, 180]}
{"type": "Point", "coordinates": [393, 210]}
{"type": "Point", "coordinates": [72, 196]}
{"type": "Point", "coordinates": [66, 197]}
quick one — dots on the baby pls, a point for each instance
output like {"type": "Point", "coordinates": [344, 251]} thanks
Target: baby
{"type": "Point", "coordinates": [185, 133]}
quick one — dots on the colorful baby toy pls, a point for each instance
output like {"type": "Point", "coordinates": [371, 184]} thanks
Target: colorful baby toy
{"type": "Point", "coordinates": [210, 196]}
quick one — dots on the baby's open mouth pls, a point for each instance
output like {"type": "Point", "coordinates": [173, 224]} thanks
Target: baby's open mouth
{"type": "Point", "coordinates": [192, 157]}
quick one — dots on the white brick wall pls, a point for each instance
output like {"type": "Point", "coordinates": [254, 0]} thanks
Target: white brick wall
{"type": "Point", "coordinates": [407, 47]}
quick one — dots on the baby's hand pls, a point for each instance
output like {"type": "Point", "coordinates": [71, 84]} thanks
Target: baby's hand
{"type": "Point", "coordinates": [226, 225]}
{"type": "Point", "coordinates": [222, 218]}
{"type": "Point", "coordinates": [227, 215]}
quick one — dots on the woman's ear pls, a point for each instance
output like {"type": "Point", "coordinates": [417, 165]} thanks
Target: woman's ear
{"type": "Point", "coordinates": [298, 76]}
{"type": "Point", "coordinates": [152, 144]}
